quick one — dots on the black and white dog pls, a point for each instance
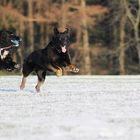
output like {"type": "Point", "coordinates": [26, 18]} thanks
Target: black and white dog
{"type": "Point", "coordinates": [9, 42]}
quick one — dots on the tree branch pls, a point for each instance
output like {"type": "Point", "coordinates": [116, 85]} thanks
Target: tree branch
{"type": "Point", "coordinates": [129, 14]}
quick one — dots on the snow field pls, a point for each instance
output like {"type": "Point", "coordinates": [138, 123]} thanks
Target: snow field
{"type": "Point", "coordinates": [71, 108]}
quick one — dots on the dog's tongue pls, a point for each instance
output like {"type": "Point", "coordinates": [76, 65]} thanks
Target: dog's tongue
{"type": "Point", "coordinates": [63, 49]}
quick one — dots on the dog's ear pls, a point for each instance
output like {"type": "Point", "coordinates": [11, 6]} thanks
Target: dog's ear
{"type": "Point", "coordinates": [56, 31]}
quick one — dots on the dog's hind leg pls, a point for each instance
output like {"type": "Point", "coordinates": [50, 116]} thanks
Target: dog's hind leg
{"type": "Point", "coordinates": [26, 71]}
{"type": "Point", "coordinates": [22, 85]}
{"type": "Point", "coordinates": [41, 78]}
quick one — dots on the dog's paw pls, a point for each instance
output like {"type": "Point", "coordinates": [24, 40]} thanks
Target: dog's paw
{"type": "Point", "coordinates": [37, 89]}
{"type": "Point", "coordinates": [76, 70]}
{"type": "Point", "coordinates": [17, 66]}
{"type": "Point", "coordinates": [72, 68]}
{"type": "Point", "coordinates": [22, 87]}
{"type": "Point", "coordinates": [59, 72]}
{"type": "Point", "coordinates": [9, 69]}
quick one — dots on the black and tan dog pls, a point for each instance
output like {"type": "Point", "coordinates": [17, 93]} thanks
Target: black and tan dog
{"type": "Point", "coordinates": [52, 58]}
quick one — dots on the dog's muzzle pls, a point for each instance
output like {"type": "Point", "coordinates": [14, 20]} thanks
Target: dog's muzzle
{"type": "Point", "coordinates": [16, 41]}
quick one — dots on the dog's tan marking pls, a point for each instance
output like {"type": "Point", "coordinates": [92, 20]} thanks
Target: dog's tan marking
{"type": "Point", "coordinates": [23, 82]}
{"type": "Point", "coordinates": [59, 72]}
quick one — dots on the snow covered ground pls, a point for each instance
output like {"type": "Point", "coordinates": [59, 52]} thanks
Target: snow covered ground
{"type": "Point", "coordinates": [71, 108]}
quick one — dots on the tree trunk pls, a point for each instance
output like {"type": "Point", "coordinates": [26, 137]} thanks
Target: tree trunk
{"type": "Point", "coordinates": [21, 50]}
{"type": "Point", "coordinates": [122, 46]}
{"type": "Point", "coordinates": [136, 30]}
{"type": "Point", "coordinates": [87, 61]}
{"type": "Point", "coordinates": [63, 21]}
{"type": "Point", "coordinates": [4, 20]}
{"type": "Point", "coordinates": [115, 38]}
{"type": "Point", "coordinates": [42, 39]}
{"type": "Point", "coordinates": [31, 26]}
{"type": "Point", "coordinates": [78, 37]}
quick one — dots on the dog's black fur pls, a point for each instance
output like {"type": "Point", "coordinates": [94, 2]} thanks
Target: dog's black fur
{"type": "Point", "coordinates": [8, 64]}
{"type": "Point", "coordinates": [52, 58]}
{"type": "Point", "coordinates": [8, 44]}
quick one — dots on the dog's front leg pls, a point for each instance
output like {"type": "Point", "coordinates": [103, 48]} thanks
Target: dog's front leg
{"type": "Point", "coordinates": [69, 66]}
{"type": "Point", "coordinates": [56, 69]}
{"type": "Point", "coordinates": [59, 72]}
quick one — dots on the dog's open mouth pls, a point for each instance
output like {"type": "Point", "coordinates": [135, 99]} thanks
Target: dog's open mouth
{"type": "Point", "coordinates": [63, 49]}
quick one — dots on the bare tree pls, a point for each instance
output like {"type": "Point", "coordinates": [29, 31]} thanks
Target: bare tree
{"type": "Point", "coordinates": [119, 23]}
{"type": "Point", "coordinates": [63, 20]}
{"type": "Point", "coordinates": [122, 45]}
{"type": "Point", "coordinates": [133, 14]}
{"type": "Point", "coordinates": [87, 65]}
{"type": "Point", "coordinates": [31, 25]}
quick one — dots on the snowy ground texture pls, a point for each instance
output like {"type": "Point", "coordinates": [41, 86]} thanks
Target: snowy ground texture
{"type": "Point", "coordinates": [71, 108]}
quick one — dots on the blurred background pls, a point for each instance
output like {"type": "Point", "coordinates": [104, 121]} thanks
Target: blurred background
{"type": "Point", "coordinates": [105, 36]}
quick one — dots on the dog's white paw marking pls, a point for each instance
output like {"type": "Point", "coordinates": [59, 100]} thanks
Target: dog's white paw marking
{"type": "Point", "coordinates": [75, 70]}
{"type": "Point", "coordinates": [17, 66]}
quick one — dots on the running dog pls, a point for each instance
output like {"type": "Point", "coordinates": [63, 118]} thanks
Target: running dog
{"type": "Point", "coordinates": [52, 58]}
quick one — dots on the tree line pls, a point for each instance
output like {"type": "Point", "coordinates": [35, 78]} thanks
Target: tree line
{"type": "Point", "coordinates": [105, 37]}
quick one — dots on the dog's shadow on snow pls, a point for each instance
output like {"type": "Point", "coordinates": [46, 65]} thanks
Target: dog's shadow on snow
{"type": "Point", "coordinates": [10, 90]}
{"type": "Point", "coordinates": [7, 90]}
